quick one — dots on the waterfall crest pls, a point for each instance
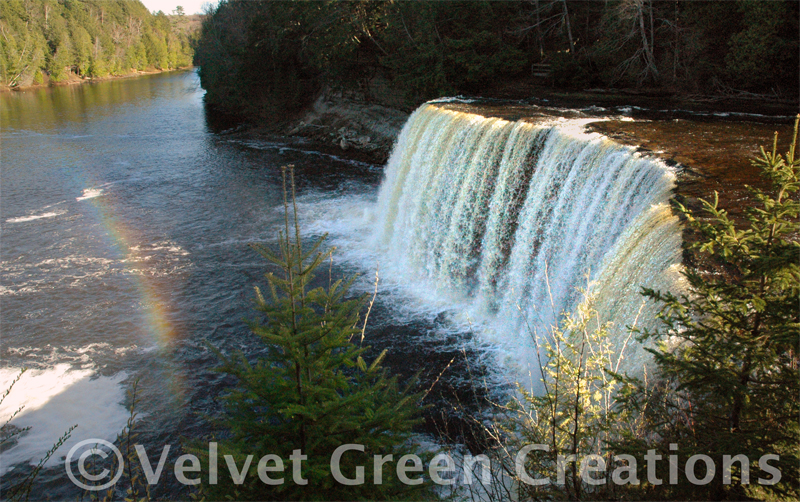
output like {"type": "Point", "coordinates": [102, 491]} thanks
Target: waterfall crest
{"type": "Point", "coordinates": [514, 218]}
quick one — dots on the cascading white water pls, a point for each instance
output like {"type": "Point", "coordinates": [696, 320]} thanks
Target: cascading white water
{"type": "Point", "coordinates": [513, 218]}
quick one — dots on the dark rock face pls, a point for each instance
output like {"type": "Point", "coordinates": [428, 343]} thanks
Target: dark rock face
{"type": "Point", "coordinates": [351, 125]}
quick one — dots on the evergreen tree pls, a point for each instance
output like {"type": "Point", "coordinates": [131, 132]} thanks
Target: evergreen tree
{"type": "Point", "coordinates": [157, 52]}
{"type": "Point", "coordinates": [82, 49]}
{"type": "Point", "coordinates": [764, 53]}
{"type": "Point", "coordinates": [729, 353]}
{"type": "Point", "coordinates": [91, 38]}
{"type": "Point", "coordinates": [312, 393]}
{"type": "Point", "coordinates": [136, 56]}
{"type": "Point", "coordinates": [267, 59]}
{"type": "Point", "coordinates": [97, 68]}
{"type": "Point", "coordinates": [60, 60]}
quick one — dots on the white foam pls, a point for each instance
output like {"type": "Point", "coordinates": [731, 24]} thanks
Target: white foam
{"type": "Point", "coordinates": [453, 99]}
{"type": "Point", "coordinates": [73, 270]}
{"type": "Point", "coordinates": [23, 219]}
{"type": "Point", "coordinates": [90, 193]}
{"type": "Point", "coordinates": [55, 399]}
{"type": "Point", "coordinates": [77, 356]}
{"type": "Point", "coordinates": [74, 261]}
{"type": "Point", "coordinates": [169, 246]}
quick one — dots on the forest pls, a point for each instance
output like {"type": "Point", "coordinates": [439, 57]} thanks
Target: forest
{"type": "Point", "coordinates": [52, 41]}
{"type": "Point", "coordinates": [264, 58]}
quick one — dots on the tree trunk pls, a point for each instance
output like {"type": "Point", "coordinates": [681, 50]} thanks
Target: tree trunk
{"type": "Point", "coordinates": [538, 29]}
{"type": "Point", "coordinates": [652, 31]}
{"type": "Point", "coordinates": [569, 28]}
{"type": "Point", "coordinates": [734, 420]}
{"type": "Point", "coordinates": [675, 48]}
{"type": "Point", "coordinates": [648, 54]}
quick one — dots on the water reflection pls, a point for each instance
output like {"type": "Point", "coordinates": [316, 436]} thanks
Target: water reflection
{"type": "Point", "coordinates": [55, 107]}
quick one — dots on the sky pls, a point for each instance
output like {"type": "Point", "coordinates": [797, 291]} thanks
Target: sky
{"type": "Point", "coordinates": [189, 6]}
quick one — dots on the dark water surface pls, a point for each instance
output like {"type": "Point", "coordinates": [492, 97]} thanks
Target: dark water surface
{"type": "Point", "coordinates": [125, 223]}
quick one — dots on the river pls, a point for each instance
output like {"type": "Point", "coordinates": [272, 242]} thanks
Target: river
{"type": "Point", "coordinates": [126, 218]}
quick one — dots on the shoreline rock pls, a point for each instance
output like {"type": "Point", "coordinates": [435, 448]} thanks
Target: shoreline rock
{"type": "Point", "coordinates": [77, 80]}
{"type": "Point", "coordinates": [351, 126]}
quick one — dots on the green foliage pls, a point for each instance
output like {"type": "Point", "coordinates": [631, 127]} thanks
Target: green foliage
{"type": "Point", "coordinates": [728, 355]}
{"type": "Point", "coordinates": [762, 54]}
{"type": "Point", "coordinates": [85, 38]}
{"type": "Point", "coordinates": [82, 50]}
{"type": "Point", "coordinates": [60, 61]}
{"type": "Point", "coordinates": [312, 392]}
{"type": "Point", "coordinates": [575, 413]}
{"type": "Point", "coordinates": [451, 48]}
{"type": "Point", "coordinates": [270, 58]}
{"type": "Point", "coordinates": [156, 50]}
{"type": "Point", "coordinates": [97, 68]}
{"type": "Point", "coordinates": [250, 60]}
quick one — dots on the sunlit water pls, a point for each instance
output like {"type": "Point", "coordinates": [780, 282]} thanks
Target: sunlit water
{"type": "Point", "coordinates": [125, 221]}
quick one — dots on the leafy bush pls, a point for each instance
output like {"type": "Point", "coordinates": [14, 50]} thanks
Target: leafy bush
{"type": "Point", "coordinates": [574, 415]}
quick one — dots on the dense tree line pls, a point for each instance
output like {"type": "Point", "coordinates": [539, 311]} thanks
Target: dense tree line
{"type": "Point", "coordinates": [60, 39]}
{"type": "Point", "coordinates": [270, 57]}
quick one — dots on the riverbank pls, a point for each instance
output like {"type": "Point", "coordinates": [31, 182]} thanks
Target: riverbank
{"type": "Point", "coordinates": [710, 156]}
{"type": "Point", "coordinates": [368, 130]}
{"type": "Point", "coordinates": [365, 132]}
{"type": "Point", "coordinates": [76, 79]}
{"type": "Point", "coordinates": [652, 98]}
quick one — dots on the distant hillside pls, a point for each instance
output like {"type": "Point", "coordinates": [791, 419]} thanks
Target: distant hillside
{"type": "Point", "coordinates": [60, 40]}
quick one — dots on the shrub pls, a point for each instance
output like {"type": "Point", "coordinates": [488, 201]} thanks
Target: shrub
{"type": "Point", "coordinates": [575, 413]}
{"type": "Point", "coordinates": [569, 71]}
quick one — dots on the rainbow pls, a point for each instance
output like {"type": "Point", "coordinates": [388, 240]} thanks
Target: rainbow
{"type": "Point", "coordinates": [157, 315]}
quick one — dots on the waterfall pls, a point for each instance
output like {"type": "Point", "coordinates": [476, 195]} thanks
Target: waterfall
{"type": "Point", "coordinates": [514, 217]}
